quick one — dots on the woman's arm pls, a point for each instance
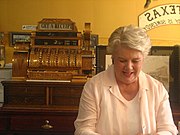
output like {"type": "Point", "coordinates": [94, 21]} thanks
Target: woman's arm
{"type": "Point", "coordinates": [164, 119]}
{"type": "Point", "coordinates": [87, 115]}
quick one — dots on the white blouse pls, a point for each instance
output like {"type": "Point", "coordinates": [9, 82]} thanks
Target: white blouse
{"type": "Point", "coordinates": [102, 111]}
{"type": "Point", "coordinates": [133, 116]}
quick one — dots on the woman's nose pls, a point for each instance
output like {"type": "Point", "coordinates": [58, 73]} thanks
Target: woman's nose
{"type": "Point", "coordinates": [129, 65]}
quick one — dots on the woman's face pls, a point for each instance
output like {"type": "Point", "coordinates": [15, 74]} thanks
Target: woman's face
{"type": "Point", "coordinates": [127, 64]}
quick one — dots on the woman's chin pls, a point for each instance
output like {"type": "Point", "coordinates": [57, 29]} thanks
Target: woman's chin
{"type": "Point", "coordinates": [129, 80]}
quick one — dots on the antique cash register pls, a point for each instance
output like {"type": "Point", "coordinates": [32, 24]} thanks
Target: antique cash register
{"type": "Point", "coordinates": [57, 52]}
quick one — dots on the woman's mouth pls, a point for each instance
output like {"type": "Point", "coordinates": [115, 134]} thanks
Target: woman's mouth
{"type": "Point", "coordinates": [127, 74]}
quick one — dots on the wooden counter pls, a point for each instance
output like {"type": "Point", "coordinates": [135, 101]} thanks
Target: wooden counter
{"type": "Point", "coordinates": [44, 108]}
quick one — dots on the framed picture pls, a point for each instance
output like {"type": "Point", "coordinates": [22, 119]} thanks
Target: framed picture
{"type": "Point", "coordinates": [20, 37]}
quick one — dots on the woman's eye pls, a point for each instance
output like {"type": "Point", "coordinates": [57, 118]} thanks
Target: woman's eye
{"type": "Point", "coordinates": [122, 61]}
{"type": "Point", "coordinates": [136, 61]}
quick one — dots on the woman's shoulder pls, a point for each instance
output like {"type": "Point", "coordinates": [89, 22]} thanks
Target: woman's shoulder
{"type": "Point", "coordinates": [98, 77]}
{"type": "Point", "coordinates": [105, 77]}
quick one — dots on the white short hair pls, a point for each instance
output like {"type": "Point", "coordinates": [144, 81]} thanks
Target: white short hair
{"type": "Point", "coordinates": [130, 36]}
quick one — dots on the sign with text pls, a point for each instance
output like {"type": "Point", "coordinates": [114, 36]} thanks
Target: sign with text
{"type": "Point", "coordinates": [53, 24]}
{"type": "Point", "coordinates": [29, 27]}
{"type": "Point", "coordinates": [160, 15]}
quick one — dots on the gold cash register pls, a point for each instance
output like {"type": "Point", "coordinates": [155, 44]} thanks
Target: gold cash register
{"type": "Point", "coordinates": [57, 52]}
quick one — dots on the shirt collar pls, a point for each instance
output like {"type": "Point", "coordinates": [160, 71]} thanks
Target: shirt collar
{"type": "Point", "coordinates": [109, 76]}
{"type": "Point", "coordinates": [143, 82]}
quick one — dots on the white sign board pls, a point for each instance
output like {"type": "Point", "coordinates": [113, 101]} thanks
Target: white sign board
{"type": "Point", "coordinates": [29, 27]}
{"type": "Point", "coordinates": [160, 15]}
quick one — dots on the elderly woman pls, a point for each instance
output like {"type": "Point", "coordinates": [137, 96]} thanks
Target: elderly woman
{"type": "Point", "coordinates": [123, 100]}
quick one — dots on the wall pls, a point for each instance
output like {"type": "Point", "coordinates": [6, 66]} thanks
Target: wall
{"type": "Point", "coordinates": [104, 16]}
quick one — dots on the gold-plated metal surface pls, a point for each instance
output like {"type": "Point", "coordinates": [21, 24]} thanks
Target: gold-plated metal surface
{"type": "Point", "coordinates": [47, 125]}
